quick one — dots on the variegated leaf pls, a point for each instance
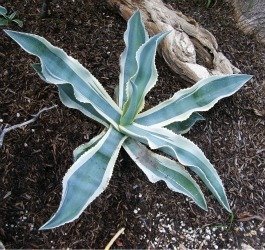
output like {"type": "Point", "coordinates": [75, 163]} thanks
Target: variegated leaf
{"type": "Point", "coordinates": [3, 21]}
{"type": "Point", "coordinates": [68, 70]}
{"type": "Point", "coordinates": [134, 37]}
{"type": "Point", "coordinates": [200, 97]}
{"type": "Point", "coordinates": [183, 127]}
{"type": "Point", "coordinates": [185, 151]}
{"type": "Point", "coordinates": [80, 150]}
{"type": "Point", "coordinates": [157, 168]}
{"type": "Point", "coordinates": [87, 178]}
{"type": "Point", "coordinates": [67, 97]}
{"type": "Point", "coordinates": [3, 10]}
{"type": "Point", "coordinates": [144, 79]}
{"type": "Point", "coordinates": [18, 22]}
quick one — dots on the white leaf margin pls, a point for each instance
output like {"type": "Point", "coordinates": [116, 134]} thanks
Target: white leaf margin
{"type": "Point", "coordinates": [104, 183]}
{"type": "Point", "coordinates": [170, 164]}
{"type": "Point", "coordinates": [169, 137]}
{"type": "Point", "coordinates": [183, 93]}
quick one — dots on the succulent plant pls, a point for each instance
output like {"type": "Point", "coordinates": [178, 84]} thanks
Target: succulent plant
{"type": "Point", "coordinates": [160, 127]}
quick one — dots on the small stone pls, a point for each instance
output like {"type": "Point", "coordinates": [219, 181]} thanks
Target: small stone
{"type": "Point", "coordinates": [246, 247]}
{"type": "Point", "coordinates": [261, 229]}
{"type": "Point", "coordinates": [207, 237]}
{"type": "Point", "coordinates": [18, 115]}
{"type": "Point", "coordinates": [253, 232]}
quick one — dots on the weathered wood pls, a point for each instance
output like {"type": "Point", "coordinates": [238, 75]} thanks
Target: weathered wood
{"type": "Point", "coordinates": [250, 17]}
{"type": "Point", "coordinates": [187, 42]}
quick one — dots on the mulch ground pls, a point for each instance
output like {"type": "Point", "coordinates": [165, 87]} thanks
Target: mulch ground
{"type": "Point", "coordinates": [35, 159]}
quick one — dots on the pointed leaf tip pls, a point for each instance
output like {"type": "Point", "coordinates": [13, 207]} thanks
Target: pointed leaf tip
{"type": "Point", "coordinates": [8, 32]}
{"type": "Point", "coordinates": [87, 178]}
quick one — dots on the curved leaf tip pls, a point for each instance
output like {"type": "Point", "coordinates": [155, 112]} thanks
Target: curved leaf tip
{"type": "Point", "coordinates": [87, 178]}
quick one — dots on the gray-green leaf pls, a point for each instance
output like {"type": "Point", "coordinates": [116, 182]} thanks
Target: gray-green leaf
{"type": "Point", "coordinates": [200, 97]}
{"type": "Point", "coordinates": [157, 168]}
{"type": "Point", "coordinates": [134, 37]}
{"type": "Point", "coordinates": [87, 178]}
{"type": "Point", "coordinates": [186, 152]}
{"type": "Point", "coordinates": [183, 127]}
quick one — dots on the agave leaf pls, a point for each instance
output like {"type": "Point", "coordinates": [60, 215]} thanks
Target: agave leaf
{"type": "Point", "coordinates": [185, 151]}
{"type": "Point", "coordinates": [143, 80]}
{"type": "Point", "coordinates": [66, 94]}
{"type": "Point", "coordinates": [134, 37]}
{"type": "Point", "coordinates": [157, 168]}
{"type": "Point", "coordinates": [183, 127]}
{"type": "Point", "coordinates": [3, 21]}
{"type": "Point", "coordinates": [80, 150]}
{"type": "Point", "coordinates": [12, 15]}
{"type": "Point", "coordinates": [87, 178]}
{"type": "Point", "coordinates": [67, 97]}
{"type": "Point", "coordinates": [200, 97]}
{"type": "Point", "coordinates": [68, 70]}
{"type": "Point", "coordinates": [3, 10]}
{"type": "Point", "coordinates": [18, 22]}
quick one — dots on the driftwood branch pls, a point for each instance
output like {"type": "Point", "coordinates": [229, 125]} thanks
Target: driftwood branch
{"type": "Point", "coordinates": [250, 17]}
{"type": "Point", "coordinates": [7, 128]}
{"type": "Point", "coordinates": [187, 42]}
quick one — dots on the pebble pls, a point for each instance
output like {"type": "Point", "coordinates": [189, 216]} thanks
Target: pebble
{"type": "Point", "coordinates": [207, 237]}
{"type": "Point", "coordinates": [170, 231]}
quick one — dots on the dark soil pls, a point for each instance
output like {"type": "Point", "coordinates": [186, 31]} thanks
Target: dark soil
{"type": "Point", "coordinates": [35, 159]}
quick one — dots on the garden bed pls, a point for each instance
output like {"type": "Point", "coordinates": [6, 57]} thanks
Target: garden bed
{"type": "Point", "coordinates": [35, 159]}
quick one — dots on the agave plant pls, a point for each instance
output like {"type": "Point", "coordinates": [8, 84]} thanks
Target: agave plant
{"type": "Point", "coordinates": [138, 132]}
{"type": "Point", "coordinates": [6, 19]}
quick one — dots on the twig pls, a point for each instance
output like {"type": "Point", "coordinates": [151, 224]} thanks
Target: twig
{"type": "Point", "coordinates": [7, 129]}
{"type": "Point", "coordinates": [251, 217]}
{"type": "Point", "coordinates": [114, 238]}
